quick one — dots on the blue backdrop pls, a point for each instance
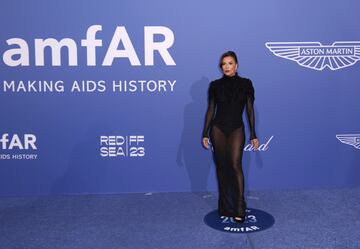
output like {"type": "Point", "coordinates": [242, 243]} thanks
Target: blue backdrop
{"type": "Point", "coordinates": [85, 134]}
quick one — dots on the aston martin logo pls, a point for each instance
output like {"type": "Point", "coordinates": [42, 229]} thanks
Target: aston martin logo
{"type": "Point", "coordinates": [316, 56]}
{"type": "Point", "coordinates": [350, 139]}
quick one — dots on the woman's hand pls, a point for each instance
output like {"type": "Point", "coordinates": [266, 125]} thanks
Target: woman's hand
{"type": "Point", "coordinates": [255, 143]}
{"type": "Point", "coordinates": [205, 142]}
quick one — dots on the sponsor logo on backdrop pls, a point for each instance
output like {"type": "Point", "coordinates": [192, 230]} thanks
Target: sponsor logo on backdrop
{"type": "Point", "coordinates": [264, 146]}
{"type": "Point", "coordinates": [350, 139]}
{"type": "Point", "coordinates": [18, 146]}
{"type": "Point", "coordinates": [122, 146]}
{"type": "Point", "coordinates": [19, 54]}
{"type": "Point", "coordinates": [316, 56]}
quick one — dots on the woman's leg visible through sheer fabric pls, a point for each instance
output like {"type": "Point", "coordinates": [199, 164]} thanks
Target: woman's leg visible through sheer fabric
{"type": "Point", "coordinates": [219, 143]}
{"type": "Point", "coordinates": [235, 142]}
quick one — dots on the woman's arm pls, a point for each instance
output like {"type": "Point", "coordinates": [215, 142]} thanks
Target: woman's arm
{"type": "Point", "coordinates": [250, 97]}
{"type": "Point", "coordinates": [210, 110]}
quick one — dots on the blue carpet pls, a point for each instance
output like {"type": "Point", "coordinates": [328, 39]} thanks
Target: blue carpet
{"type": "Point", "coordinates": [309, 219]}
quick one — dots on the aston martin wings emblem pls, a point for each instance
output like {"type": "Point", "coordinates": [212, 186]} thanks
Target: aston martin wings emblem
{"type": "Point", "coordinates": [316, 56]}
{"type": "Point", "coordinates": [350, 139]}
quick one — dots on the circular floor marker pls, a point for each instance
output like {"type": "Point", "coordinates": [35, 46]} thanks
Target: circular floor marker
{"type": "Point", "coordinates": [256, 220]}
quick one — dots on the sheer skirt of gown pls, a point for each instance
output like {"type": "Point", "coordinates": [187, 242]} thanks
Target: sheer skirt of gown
{"type": "Point", "coordinates": [228, 157]}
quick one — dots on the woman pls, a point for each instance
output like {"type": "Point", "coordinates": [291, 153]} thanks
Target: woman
{"type": "Point", "coordinates": [227, 98]}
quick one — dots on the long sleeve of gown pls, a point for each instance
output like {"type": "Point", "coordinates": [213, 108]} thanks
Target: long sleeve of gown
{"type": "Point", "coordinates": [250, 97]}
{"type": "Point", "coordinates": [210, 110]}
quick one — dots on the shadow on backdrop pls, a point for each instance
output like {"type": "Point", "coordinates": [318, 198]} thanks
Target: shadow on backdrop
{"type": "Point", "coordinates": [85, 154]}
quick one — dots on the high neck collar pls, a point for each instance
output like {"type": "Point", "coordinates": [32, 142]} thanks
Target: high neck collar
{"type": "Point", "coordinates": [231, 77]}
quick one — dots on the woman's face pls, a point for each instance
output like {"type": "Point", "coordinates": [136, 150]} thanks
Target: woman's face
{"type": "Point", "coordinates": [229, 66]}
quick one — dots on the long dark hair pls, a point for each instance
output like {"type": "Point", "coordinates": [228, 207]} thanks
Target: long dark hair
{"type": "Point", "coordinates": [226, 54]}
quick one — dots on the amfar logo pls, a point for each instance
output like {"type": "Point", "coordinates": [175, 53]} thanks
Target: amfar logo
{"type": "Point", "coordinates": [316, 56]}
{"type": "Point", "coordinates": [20, 55]}
{"type": "Point", "coordinates": [255, 220]}
{"type": "Point", "coordinates": [10, 142]}
{"type": "Point", "coordinates": [123, 146]}
{"type": "Point", "coordinates": [350, 139]}
{"type": "Point", "coordinates": [14, 143]}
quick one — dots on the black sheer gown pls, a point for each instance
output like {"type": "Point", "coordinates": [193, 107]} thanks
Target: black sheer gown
{"type": "Point", "coordinates": [227, 98]}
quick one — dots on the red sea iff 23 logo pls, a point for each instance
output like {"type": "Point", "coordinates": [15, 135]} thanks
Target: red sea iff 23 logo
{"type": "Point", "coordinates": [122, 146]}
